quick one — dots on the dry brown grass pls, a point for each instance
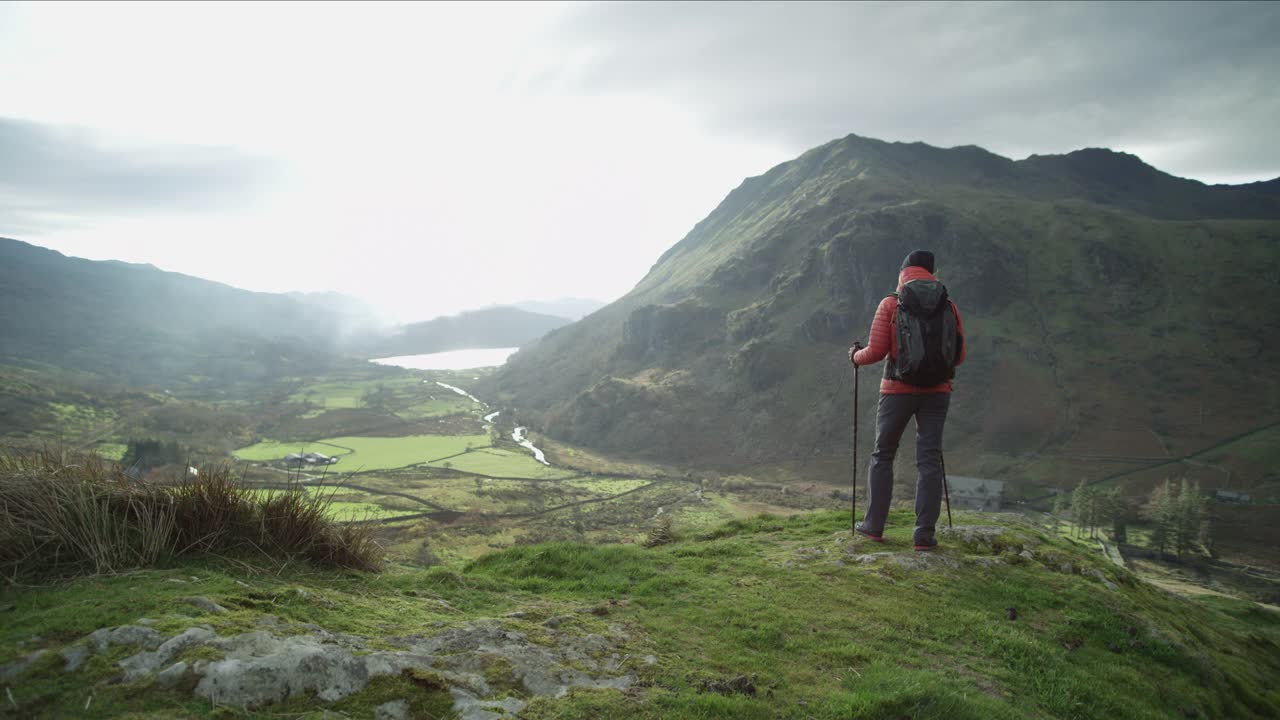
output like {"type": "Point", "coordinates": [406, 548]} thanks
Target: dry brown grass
{"type": "Point", "coordinates": [66, 513]}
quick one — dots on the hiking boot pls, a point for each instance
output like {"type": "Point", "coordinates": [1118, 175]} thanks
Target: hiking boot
{"type": "Point", "coordinates": [875, 537]}
{"type": "Point", "coordinates": [926, 545]}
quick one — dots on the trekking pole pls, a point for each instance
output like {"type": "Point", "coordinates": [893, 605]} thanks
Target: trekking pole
{"type": "Point", "coordinates": [853, 507]}
{"type": "Point", "coordinates": [945, 492]}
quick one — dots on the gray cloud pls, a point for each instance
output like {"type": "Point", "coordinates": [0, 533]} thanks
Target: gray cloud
{"type": "Point", "coordinates": [53, 176]}
{"type": "Point", "coordinates": [1193, 84]}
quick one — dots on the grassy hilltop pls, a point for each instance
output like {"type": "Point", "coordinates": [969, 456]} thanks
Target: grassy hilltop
{"type": "Point", "coordinates": [762, 618]}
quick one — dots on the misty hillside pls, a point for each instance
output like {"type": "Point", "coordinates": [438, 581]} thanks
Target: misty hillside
{"type": "Point", "coordinates": [572, 308]}
{"type": "Point", "coordinates": [488, 328]}
{"type": "Point", "coordinates": [144, 326]}
{"type": "Point", "coordinates": [1113, 311]}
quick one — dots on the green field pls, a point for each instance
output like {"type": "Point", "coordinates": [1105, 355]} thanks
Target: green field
{"type": "Point", "coordinates": [359, 454]}
{"type": "Point", "coordinates": [443, 405]}
{"type": "Point", "coordinates": [607, 486]}
{"type": "Point", "coordinates": [503, 463]}
{"type": "Point", "coordinates": [344, 511]}
{"type": "Point", "coordinates": [110, 450]}
{"type": "Point", "coordinates": [273, 450]}
{"type": "Point", "coordinates": [330, 395]}
{"type": "Point", "coordinates": [379, 453]}
{"type": "Point", "coordinates": [1262, 447]}
{"type": "Point", "coordinates": [409, 396]}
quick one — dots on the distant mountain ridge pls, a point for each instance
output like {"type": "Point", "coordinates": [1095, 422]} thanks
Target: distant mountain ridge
{"type": "Point", "coordinates": [494, 327]}
{"type": "Point", "coordinates": [148, 327]}
{"type": "Point", "coordinates": [572, 308]}
{"type": "Point", "coordinates": [1104, 301]}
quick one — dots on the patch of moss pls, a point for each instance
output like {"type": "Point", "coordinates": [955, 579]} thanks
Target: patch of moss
{"type": "Point", "coordinates": [498, 671]}
{"type": "Point", "coordinates": [200, 652]}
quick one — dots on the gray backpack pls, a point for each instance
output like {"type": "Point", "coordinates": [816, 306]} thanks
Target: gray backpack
{"type": "Point", "coordinates": [928, 343]}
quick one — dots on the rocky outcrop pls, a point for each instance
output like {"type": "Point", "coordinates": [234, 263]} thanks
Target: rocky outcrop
{"type": "Point", "coordinates": [488, 667]}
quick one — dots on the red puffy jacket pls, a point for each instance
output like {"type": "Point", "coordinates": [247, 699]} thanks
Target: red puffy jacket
{"type": "Point", "coordinates": [884, 338]}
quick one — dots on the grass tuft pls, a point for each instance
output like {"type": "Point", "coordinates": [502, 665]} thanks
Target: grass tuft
{"type": "Point", "coordinates": [71, 514]}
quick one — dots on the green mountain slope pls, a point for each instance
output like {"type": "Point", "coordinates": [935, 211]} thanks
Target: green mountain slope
{"type": "Point", "coordinates": [145, 326]}
{"type": "Point", "coordinates": [1113, 311]}
{"type": "Point", "coordinates": [142, 326]}
{"type": "Point", "coordinates": [768, 618]}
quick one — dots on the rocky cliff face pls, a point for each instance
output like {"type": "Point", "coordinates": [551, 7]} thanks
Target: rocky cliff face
{"type": "Point", "coordinates": [1097, 293]}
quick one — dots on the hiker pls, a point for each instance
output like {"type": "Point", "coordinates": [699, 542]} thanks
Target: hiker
{"type": "Point", "coordinates": [921, 389]}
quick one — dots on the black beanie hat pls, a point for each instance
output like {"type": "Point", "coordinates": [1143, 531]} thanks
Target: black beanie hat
{"type": "Point", "coordinates": [919, 258]}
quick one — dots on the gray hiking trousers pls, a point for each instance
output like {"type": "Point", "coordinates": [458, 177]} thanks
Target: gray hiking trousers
{"type": "Point", "coordinates": [930, 412]}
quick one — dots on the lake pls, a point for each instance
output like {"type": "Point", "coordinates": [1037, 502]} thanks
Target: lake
{"type": "Point", "coordinates": [451, 360]}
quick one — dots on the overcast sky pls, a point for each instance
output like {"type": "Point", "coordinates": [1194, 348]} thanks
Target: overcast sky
{"type": "Point", "coordinates": [433, 158]}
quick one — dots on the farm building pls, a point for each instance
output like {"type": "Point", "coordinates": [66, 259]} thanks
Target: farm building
{"type": "Point", "coordinates": [1231, 496]}
{"type": "Point", "coordinates": [976, 493]}
{"type": "Point", "coordinates": [311, 458]}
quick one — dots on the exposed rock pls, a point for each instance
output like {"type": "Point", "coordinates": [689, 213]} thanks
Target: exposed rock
{"type": "Point", "coordinates": [394, 710]}
{"type": "Point", "coordinates": [978, 537]}
{"type": "Point", "coordinates": [144, 663]}
{"type": "Point", "coordinates": [469, 707]}
{"type": "Point", "coordinates": [872, 557]}
{"type": "Point", "coordinates": [260, 668]}
{"type": "Point", "coordinates": [1027, 555]}
{"type": "Point", "coordinates": [74, 656]}
{"type": "Point", "coordinates": [19, 666]}
{"type": "Point", "coordinates": [126, 635]}
{"type": "Point", "coordinates": [171, 675]}
{"type": "Point", "coordinates": [911, 560]}
{"type": "Point", "coordinates": [1097, 574]}
{"type": "Point", "coordinates": [1067, 568]}
{"type": "Point", "coordinates": [312, 597]}
{"type": "Point", "coordinates": [205, 604]}
{"type": "Point", "coordinates": [924, 561]}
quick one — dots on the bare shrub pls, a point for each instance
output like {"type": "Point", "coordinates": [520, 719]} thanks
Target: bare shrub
{"type": "Point", "coordinates": [660, 532]}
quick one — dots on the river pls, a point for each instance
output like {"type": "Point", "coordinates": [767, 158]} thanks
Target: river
{"type": "Point", "coordinates": [524, 442]}
{"type": "Point", "coordinates": [465, 360]}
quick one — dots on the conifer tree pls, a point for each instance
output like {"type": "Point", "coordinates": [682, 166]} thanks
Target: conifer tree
{"type": "Point", "coordinates": [1080, 507]}
{"type": "Point", "coordinates": [1206, 526]}
{"type": "Point", "coordinates": [1119, 511]}
{"type": "Point", "coordinates": [1060, 508]}
{"type": "Point", "coordinates": [1157, 511]}
{"type": "Point", "coordinates": [1187, 514]}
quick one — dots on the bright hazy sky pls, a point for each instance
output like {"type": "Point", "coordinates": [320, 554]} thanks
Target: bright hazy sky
{"type": "Point", "coordinates": [439, 157]}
